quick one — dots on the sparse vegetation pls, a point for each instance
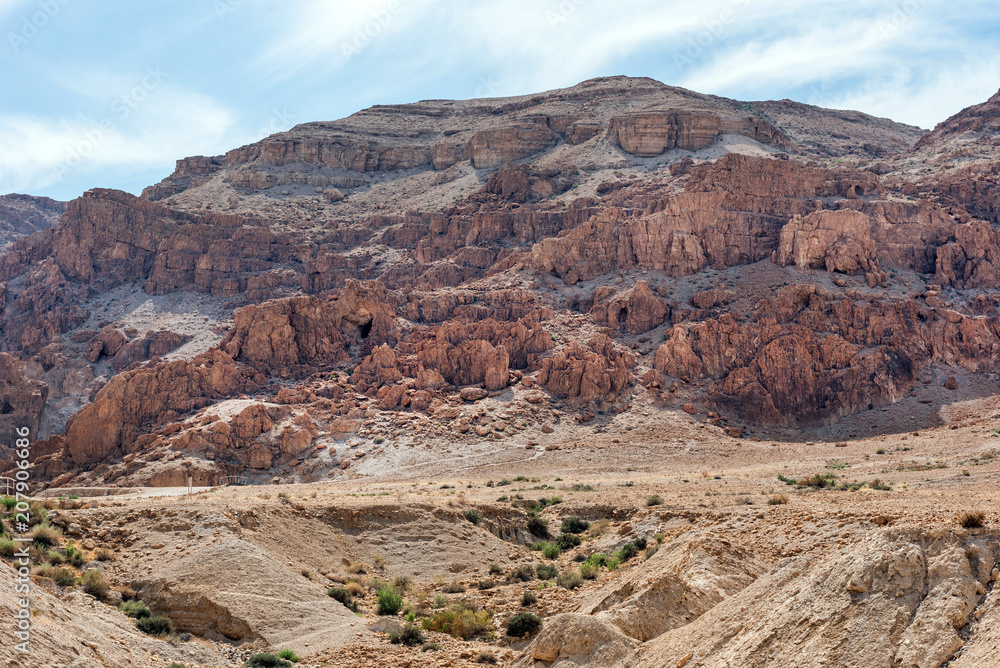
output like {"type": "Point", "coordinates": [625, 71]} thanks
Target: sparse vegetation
{"type": "Point", "coordinates": [538, 527]}
{"type": "Point", "coordinates": [654, 500]}
{"type": "Point", "coordinates": [390, 601]}
{"type": "Point", "coordinates": [523, 624]}
{"type": "Point", "coordinates": [267, 660]}
{"type": "Point", "coordinates": [777, 500]}
{"type": "Point", "coordinates": [487, 657]}
{"type": "Point", "coordinates": [157, 625]}
{"type": "Point", "coordinates": [574, 525]}
{"type": "Point", "coordinates": [524, 573]}
{"type": "Point", "coordinates": [473, 516]}
{"type": "Point", "coordinates": [550, 551]}
{"type": "Point", "coordinates": [974, 519]}
{"type": "Point", "coordinates": [410, 636]}
{"type": "Point", "coordinates": [461, 621]}
{"type": "Point", "coordinates": [344, 596]}
{"type": "Point", "coordinates": [486, 583]}
{"type": "Point", "coordinates": [94, 583]}
{"type": "Point", "coordinates": [546, 571]}
{"type": "Point", "coordinates": [569, 580]}
{"type": "Point", "coordinates": [567, 541]}
{"type": "Point", "coordinates": [289, 655]}
{"type": "Point", "coordinates": [528, 598]}
{"type": "Point", "coordinates": [135, 609]}
{"type": "Point", "coordinates": [453, 588]}
{"type": "Point", "coordinates": [495, 568]}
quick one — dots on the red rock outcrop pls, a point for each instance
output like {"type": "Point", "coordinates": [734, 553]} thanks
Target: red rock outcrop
{"type": "Point", "coordinates": [807, 358]}
{"type": "Point", "coordinates": [136, 402]}
{"type": "Point", "coordinates": [634, 311]}
{"type": "Point", "coordinates": [21, 402]}
{"type": "Point", "coordinates": [650, 133]}
{"type": "Point", "coordinates": [597, 375]}
{"type": "Point", "coordinates": [838, 241]}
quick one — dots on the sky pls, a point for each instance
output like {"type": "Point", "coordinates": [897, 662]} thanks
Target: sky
{"type": "Point", "coordinates": [112, 93]}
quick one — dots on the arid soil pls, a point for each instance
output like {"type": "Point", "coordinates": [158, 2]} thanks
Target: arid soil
{"type": "Point", "coordinates": [753, 346]}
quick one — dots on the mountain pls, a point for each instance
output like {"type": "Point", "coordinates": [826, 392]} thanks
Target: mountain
{"type": "Point", "coordinates": [21, 215]}
{"type": "Point", "coordinates": [770, 267]}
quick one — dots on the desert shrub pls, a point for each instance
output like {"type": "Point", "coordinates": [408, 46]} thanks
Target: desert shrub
{"type": "Point", "coordinates": [267, 660]}
{"type": "Point", "coordinates": [8, 502]}
{"type": "Point", "coordinates": [94, 583]}
{"type": "Point", "coordinates": [439, 602]}
{"type": "Point", "coordinates": [569, 580]}
{"type": "Point", "coordinates": [104, 554]}
{"type": "Point", "coordinates": [820, 480]}
{"type": "Point", "coordinates": [650, 552]}
{"type": "Point", "coordinates": [289, 655]}
{"type": "Point", "coordinates": [599, 527]}
{"type": "Point", "coordinates": [588, 571]}
{"type": "Point", "coordinates": [155, 626]}
{"type": "Point", "coordinates": [461, 622]}
{"type": "Point", "coordinates": [627, 551]}
{"type": "Point", "coordinates": [55, 557]}
{"type": "Point", "coordinates": [390, 601]}
{"type": "Point", "coordinates": [529, 598]}
{"type": "Point", "coordinates": [44, 571]}
{"type": "Point", "coordinates": [574, 525]}
{"type": "Point", "coordinates": [596, 559]}
{"type": "Point", "coordinates": [402, 582]}
{"type": "Point", "coordinates": [538, 527]}
{"type": "Point", "coordinates": [74, 555]}
{"type": "Point", "coordinates": [659, 536]}
{"type": "Point", "coordinates": [486, 583]}
{"type": "Point", "coordinates": [654, 500]}
{"type": "Point", "coordinates": [524, 573]}
{"type": "Point", "coordinates": [546, 571]}
{"type": "Point", "coordinates": [410, 636]}
{"type": "Point", "coordinates": [354, 588]}
{"type": "Point", "coordinates": [777, 500]}
{"type": "Point", "coordinates": [972, 520]}
{"type": "Point", "coordinates": [495, 568]}
{"type": "Point", "coordinates": [45, 536]}
{"type": "Point", "coordinates": [473, 516]}
{"type": "Point", "coordinates": [523, 624]}
{"type": "Point", "coordinates": [550, 551]}
{"type": "Point", "coordinates": [63, 577]}
{"type": "Point", "coordinates": [567, 541]}
{"type": "Point", "coordinates": [487, 657]}
{"type": "Point", "coordinates": [430, 647]}
{"type": "Point", "coordinates": [537, 545]}
{"type": "Point", "coordinates": [344, 596]}
{"type": "Point", "coordinates": [879, 485]}
{"type": "Point", "coordinates": [453, 588]}
{"type": "Point", "coordinates": [135, 609]}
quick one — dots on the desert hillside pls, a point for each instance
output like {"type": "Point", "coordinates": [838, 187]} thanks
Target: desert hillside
{"type": "Point", "coordinates": [726, 371]}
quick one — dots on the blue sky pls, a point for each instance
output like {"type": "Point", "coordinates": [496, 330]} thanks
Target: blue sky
{"type": "Point", "coordinates": [111, 93]}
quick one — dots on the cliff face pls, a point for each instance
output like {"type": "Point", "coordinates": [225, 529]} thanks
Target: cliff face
{"type": "Point", "coordinates": [21, 215]}
{"type": "Point", "coordinates": [614, 244]}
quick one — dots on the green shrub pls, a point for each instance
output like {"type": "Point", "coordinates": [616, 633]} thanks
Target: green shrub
{"type": "Point", "coordinates": [344, 596]}
{"type": "Point", "coordinates": [473, 516]}
{"type": "Point", "coordinates": [546, 571]}
{"type": "Point", "coordinates": [569, 580]}
{"type": "Point", "coordinates": [523, 624]}
{"type": "Point", "coordinates": [524, 573]}
{"type": "Point", "coordinates": [439, 602]}
{"type": "Point", "coordinates": [588, 571]}
{"type": "Point", "coordinates": [574, 525]}
{"type": "Point", "coordinates": [135, 609]}
{"type": "Point", "coordinates": [528, 598]}
{"type": "Point", "coordinates": [94, 583]}
{"type": "Point", "coordinates": [390, 601]}
{"type": "Point", "coordinates": [538, 527]}
{"type": "Point", "coordinates": [266, 660]}
{"type": "Point", "coordinates": [567, 541]}
{"type": "Point", "coordinates": [626, 551]}
{"type": "Point", "coordinates": [289, 655]}
{"type": "Point", "coordinates": [410, 636]}
{"type": "Point", "coordinates": [155, 626]}
{"type": "Point", "coordinates": [63, 577]}
{"type": "Point", "coordinates": [8, 502]}
{"type": "Point", "coordinates": [462, 622]}
{"type": "Point", "coordinates": [45, 536]}
{"type": "Point", "coordinates": [550, 551]}
{"type": "Point", "coordinates": [654, 500]}
{"type": "Point", "coordinates": [820, 480]}
{"type": "Point", "coordinates": [596, 559]}
{"type": "Point", "coordinates": [55, 557]}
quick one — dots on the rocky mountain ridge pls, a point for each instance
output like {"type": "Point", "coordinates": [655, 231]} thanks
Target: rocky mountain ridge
{"type": "Point", "coordinates": [567, 256]}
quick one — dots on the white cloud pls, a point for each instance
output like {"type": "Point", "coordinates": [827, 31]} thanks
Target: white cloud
{"type": "Point", "coordinates": [139, 130]}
